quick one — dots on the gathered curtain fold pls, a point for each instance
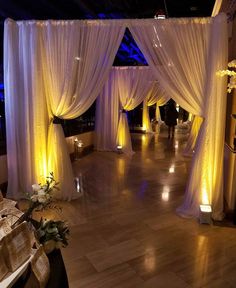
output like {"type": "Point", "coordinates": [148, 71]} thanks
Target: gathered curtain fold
{"type": "Point", "coordinates": [107, 115]}
{"type": "Point", "coordinates": [125, 89]}
{"type": "Point", "coordinates": [133, 84]}
{"type": "Point", "coordinates": [58, 68]}
{"type": "Point", "coordinates": [73, 61]}
{"type": "Point", "coordinates": [184, 55]}
{"type": "Point", "coordinates": [193, 134]}
{"type": "Point", "coordinates": [156, 95]}
{"type": "Point", "coordinates": [26, 108]}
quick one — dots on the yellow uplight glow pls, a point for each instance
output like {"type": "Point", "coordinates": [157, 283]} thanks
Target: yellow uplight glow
{"type": "Point", "coordinates": [205, 198]}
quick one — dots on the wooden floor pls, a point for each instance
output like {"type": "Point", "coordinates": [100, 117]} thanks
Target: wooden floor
{"type": "Point", "coordinates": [124, 229]}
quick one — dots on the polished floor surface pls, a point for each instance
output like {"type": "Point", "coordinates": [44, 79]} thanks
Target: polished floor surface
{"type": "Point", "coordinates": [124, 228]}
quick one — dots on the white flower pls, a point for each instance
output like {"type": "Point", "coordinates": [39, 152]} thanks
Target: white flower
{"type": "Point", "coordinates": [34, 198]}
{"type": "Point", "coordinates": [41, 192]}
{"type": "Point", "coordinates": [52, 230]}
{"type": "Point", "coordinates": [36, 187]}
{"type": "Point", "coordinates": [42, 199]}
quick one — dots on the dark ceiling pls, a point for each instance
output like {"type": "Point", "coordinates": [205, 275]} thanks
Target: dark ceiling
{"type": "Point", "coordinates": [128, 53]}
{"type": "Point", "coordinates": [82, 9]}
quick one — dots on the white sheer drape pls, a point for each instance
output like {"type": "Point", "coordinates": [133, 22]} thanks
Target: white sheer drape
{"type": "Point", "coordinates": [216, 8]}
{"type": "Point", "coordinates": [156, 95]}
{"type": "Point", "coordinates": [26, 110]}
{"type": "Point", "coordinates": [185, 55]}
{"type": "Point", "coordinates": [107, 115]}
{"type": "Point", "coordinates": [72, 59]}
{"type": "Point", "coordinates": [133, 84]}
{"type": "Point", "coordinates": [129, 86]}
{"type": "Point", "coordinates": [193, 134]}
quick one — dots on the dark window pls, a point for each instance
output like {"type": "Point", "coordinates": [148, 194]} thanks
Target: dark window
{"type": "Point", "coordinates": [82, 124]}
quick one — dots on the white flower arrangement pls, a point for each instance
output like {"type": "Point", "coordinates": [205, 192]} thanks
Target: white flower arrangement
{"type": "Point", "coordinates": [42, 194]}
{"type": "Point", "coordinates": [51, 234]}
{"type": "Point", "coordinates": [39, 198]}
{"type": "Point", "coordinates": [232, 82]}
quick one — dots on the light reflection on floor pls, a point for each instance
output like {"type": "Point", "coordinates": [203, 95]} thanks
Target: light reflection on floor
{"type": "Point", "coordinates": [125, 232]}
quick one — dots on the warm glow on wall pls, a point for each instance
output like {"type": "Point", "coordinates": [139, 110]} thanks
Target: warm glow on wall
{"type": "Point", "coordinates": [146, 124]}
{"type": "Point", "coordinates": [205, 198]}
{"type": "Point", "coordinates": [121, 138]}
{"type": "Point", "coordinates": [40, 160]}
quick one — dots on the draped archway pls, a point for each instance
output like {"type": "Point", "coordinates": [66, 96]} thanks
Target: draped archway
{"type": "Point", "coordinates": [58, 68]}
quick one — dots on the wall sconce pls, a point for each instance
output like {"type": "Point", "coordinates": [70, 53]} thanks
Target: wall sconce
{"type": "Point", "coordinates": [78, 148]}
{"type": "Point", "coordinates": [119, 149]}
{"type": "Point", "coordinates": [205, 214]}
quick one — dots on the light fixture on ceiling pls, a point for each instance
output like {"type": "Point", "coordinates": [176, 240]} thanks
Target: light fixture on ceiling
{"type": "Point", "coordinates": [160, 14]}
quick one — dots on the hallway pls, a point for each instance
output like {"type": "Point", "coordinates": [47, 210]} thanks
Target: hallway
{"type": "Point", "coordinates": [124, 229]}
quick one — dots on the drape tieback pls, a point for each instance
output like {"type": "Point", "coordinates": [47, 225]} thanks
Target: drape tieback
{"type": "Point", "coordinates": [123, 111]}
{"type": "Point", "coordinates": [56, 120]}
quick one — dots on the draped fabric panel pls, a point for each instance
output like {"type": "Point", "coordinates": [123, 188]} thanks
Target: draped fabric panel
{"type": "Point", "coordinates": [162, 101]}
{"type": "Point", "coordinates": [107, 115]}
{"type": "Point", "coordinates": [26, 110]}
{"type": "Point", "coordinates": [125, 89]}
{"type": "Point", "coordinates": [206, 178]}
{"type": "Point", "coordinates": [184, 55]}
{"type": "Point", "coordinates": [58, 68]}
{"type": "Point", "coordinates": [63, 64]}
{"type": "Point", "coordinates": [193, 134]}
{"type": "Point", "coordinates": [217, 7]}
{"type": "Point", "coordinates": [133, 84]}
{"type": "Point", "coordinates": [74, 76]}
{"type": "Point", "coordinates": [156, 95]}
{"type": "Point", "coordinates": [176, 50]}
